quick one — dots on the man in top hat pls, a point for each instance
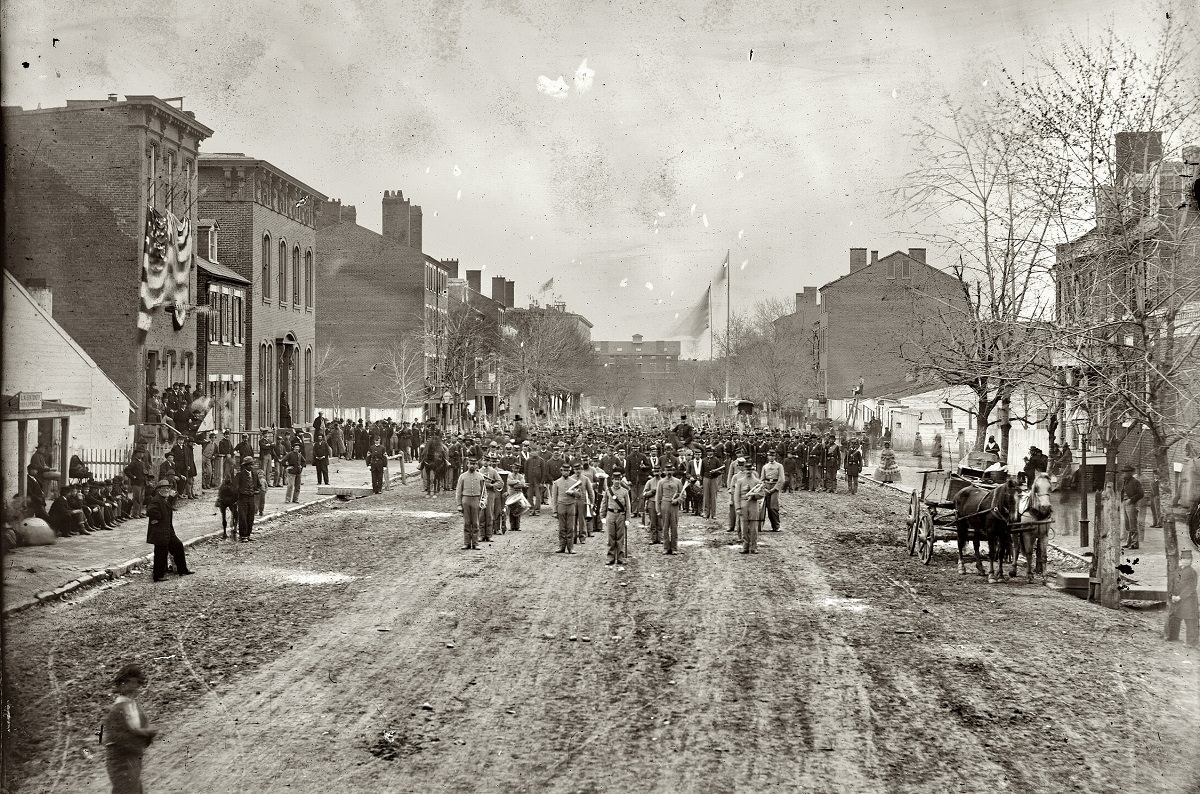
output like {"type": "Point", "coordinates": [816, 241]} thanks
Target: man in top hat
{"type": "Point", "coordinates": [1131, 494]}
{"type": "Point", "coordinates": [321, 453]}
{"type": "Point", "coordinates": [247, 484]}
{"type": "Point", "coordinates": [160, 531]}
{"type": "Point", "coordinates": [1184, 607]}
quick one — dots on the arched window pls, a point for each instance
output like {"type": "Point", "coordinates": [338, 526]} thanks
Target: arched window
{"type": "Point", "coordinates": [283, 270]}
{"type": "Point", "coordinates": [308, 278]}
{"type": "Point", "coordinates": [266, 267]}
{"type": "Point", "coordinates": [296, 276]}
{"type": "Point", "coordinates": [262, 385]}
{"type": "Point", "coordinates": [308, 383]}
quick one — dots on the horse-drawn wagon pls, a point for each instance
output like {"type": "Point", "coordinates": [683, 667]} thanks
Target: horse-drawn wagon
{"type": "Point", "coordinates": [956, 506]}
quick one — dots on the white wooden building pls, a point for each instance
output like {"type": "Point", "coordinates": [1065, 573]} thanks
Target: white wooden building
{"type": "Point", "coordinates": [39, 356]}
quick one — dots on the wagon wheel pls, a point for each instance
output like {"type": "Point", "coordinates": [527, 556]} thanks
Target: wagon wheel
{"type": "Point", "coordinates": [914, 510]}
{"type": "Point", "coordinates": [925, 536]}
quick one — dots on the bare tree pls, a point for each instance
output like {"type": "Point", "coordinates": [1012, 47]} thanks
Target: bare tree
{"type": "Point", "coordinates": [974, 189]}
{"type": "Point", "coordinates": [327, 376]}
{"type": "Point", "coordinates": [548, 355]}
{"type": "Point", "coordinates": [403, 373]}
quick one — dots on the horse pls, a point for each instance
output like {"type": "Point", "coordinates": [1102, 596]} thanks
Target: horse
{"type": "Point", "coordinates": [1033, 509]}
{"type": "Point", "coordinates": [433, 464]}
{"type": "Point", "coordinates": [989, 512]}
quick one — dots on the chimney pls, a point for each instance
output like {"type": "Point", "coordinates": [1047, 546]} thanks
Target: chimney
{"type": "Point", "coordinates": [1137, 152]}
{"type": "Point", "coordinates": [42, 294]}
{"type": "Point", "coordinates": [510, 294]}
{"type": "Point", "coordinates": [874, 257]}
{"type": "Point", "coordinates": [112, 97]}
{"type": "Point", "coordinates": [498, 289]}
{"type": "Point", "coordinates": [917, 254]}
{"type": "Point", "coordinates": [329, 213]}
{"type": "Point", "coordinates": [415, 237]}
{"type": "Point", "coordinates": [806, 297]}
{"type": "Point", "coordinates": [474, 277]}
{"type": "Point", "coordinates": [858, 258]}
{"type": "Point", "coordinates": [637, 339]}
{"type": "Point", "coordinates": [349, 214]}
{"type": "Point", "coordinates": [451, 266]}
{"type": "Point", "coordinates": [396, 220]}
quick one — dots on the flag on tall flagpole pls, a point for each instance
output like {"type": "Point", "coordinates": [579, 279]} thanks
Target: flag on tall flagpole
{"type": "Point", "coordinates": [694, 321]}
{"type": "Point", "coordinates": [547, 286]}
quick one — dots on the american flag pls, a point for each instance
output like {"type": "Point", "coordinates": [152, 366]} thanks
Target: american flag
{"type": "Point", "coordinates": [166, 267]}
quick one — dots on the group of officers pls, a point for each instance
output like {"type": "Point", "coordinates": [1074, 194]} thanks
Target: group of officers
{"type": "Point", "coordinates": [596, 479]}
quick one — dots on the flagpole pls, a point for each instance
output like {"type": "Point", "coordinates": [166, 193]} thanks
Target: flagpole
{"type": "Point", "coordinates": [710, 328]}
{"type": "Point", "coordinates": [728, 279]}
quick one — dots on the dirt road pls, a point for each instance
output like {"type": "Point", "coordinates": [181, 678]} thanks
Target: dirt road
{"type": "Point", "coordinates": [358, 649]}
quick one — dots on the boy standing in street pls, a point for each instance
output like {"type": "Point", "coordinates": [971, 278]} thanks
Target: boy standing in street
{"type": "Point", "coordinates": [126, 733]}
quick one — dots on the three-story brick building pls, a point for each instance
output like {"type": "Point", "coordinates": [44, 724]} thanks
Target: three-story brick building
{"type": "Point", "coordinates": [267, 223]}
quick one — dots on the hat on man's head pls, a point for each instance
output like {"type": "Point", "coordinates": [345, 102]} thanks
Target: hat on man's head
{"type": "Point", "coordinates": [1185, 554]}
{"type": "Point", "coordinates": [1127, 467]}
{"type": "Point", "coordinates": [163, 484]}
{"type": "Point", "coordinates": [247, 461]}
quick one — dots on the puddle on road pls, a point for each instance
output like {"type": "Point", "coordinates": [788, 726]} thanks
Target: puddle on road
{"type": "Point", "coordinates": [425, 514]}
{"type": "Point", "coordinates": [846, 604]}
{"type": "Point", "coordinates": [300, 577]}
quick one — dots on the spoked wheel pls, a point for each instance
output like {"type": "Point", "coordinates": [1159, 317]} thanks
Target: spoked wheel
{"type": "Point", "coordinates": [925, 536]}
{"type": "Point", "coordinates": [914, 511]}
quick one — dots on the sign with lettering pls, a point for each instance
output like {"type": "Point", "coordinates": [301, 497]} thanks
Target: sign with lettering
{"type": "Point", "coordinates": [29, 401]}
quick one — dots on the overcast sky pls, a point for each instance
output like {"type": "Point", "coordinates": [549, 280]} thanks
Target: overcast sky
{"type": "Point", "coordinates": [664, 145]}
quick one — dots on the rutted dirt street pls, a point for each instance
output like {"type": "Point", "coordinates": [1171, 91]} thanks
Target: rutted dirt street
{"type": "Point", "coordinates": [357, 649]}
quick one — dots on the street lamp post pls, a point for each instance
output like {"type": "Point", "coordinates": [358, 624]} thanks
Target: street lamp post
{"type": "Point", "coordinates": [1082, 422]}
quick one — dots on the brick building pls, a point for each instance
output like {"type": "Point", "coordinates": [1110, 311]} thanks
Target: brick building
{"type": "Point", "coordinates": [266, 222]}
{"type": "Point", "coordinates": [639, 372]}
{"type": "Point", "coordinates": [376, 290]}
{"type": "Point", "coordinates": [221, 359]}
{"type": "Point", "coordinates": [864, 319]}
{"type": "Point", "coordinates": [78, 181]}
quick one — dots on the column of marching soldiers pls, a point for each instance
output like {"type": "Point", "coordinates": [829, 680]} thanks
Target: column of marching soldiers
{"type": "Point", "coordinates": [596, 478]}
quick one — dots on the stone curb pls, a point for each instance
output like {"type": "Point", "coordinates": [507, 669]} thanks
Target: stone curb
{"type": "Point", "coordinates": [114, 572]}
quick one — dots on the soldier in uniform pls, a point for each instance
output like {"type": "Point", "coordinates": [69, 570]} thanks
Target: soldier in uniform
{"type": "Point", "coordinates": [816, 464]}
{"type": "Point", "coordinates": [833, 462]}
{"type": "Point", "coordinates": [615, 508]}
{"type": "Point", "coordinates": [467, 493]}
{"type": "Point", "coordinates": [321, 459]}
{"type": "Point", "coordinates": [668, 497]}
{"type": "Point", "coordinates": [565, 499]}
{"type": "Point", "coordinates": [535, 468]}
{"type": "Point", "coordinates": [377, 462]}
{"type": "Point", "coordinates": [773, 477]}
{"type": "Point", "coordinates": [854, 465]}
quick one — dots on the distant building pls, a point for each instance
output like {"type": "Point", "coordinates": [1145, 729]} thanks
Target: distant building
{"type": "Point", "coordinates": [265, 219]}
{"type": "Point", "coordinates": [866, 318]}
{"type": "Point", "coordinates": [637, 372]}
{"type": "Point", "coordinates": [378, 294]}
{"type": "Point", "coordinates": [79, 180]}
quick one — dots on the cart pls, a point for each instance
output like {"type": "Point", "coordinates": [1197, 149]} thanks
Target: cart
{"type": "Point", "coordinates": [931, 509]}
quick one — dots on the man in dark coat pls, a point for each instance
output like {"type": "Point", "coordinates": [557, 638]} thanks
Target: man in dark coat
{"type": "Point", "coordinates": [160, 532]}
{"type": "Point", "coordinates": [377, 461]}
{"type": "Point", "coordinates": [246, 484]}
{"type": "Point", "coordinates": [66, 520]}
{"type": "Point", "coordinates": [138, 477]}
{"type": "Point", "coordinates": [321, 459]}
{"type": "Point", "coordinates": [535, 470]}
